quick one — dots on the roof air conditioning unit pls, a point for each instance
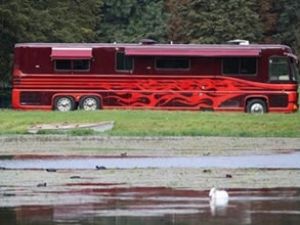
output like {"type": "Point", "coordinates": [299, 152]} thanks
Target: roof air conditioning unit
{"type": "Point", "coordinates": [238, 42]}
{"type": "Point", "coordinates": [147, 42]}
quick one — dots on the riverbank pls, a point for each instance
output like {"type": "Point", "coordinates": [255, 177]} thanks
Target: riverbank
{"type": "Point", "coordinates": [143, 146]}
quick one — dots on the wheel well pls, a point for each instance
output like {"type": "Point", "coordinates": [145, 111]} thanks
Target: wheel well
{"type": "Point", "coordinates": [256, 98]}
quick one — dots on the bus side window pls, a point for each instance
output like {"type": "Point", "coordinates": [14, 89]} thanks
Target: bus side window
{"type": "Point", "coordinates": [81, 65]}
{"type": "Point", "coordinates": [248, 66]}
{"type": "Point", "coordinates": [239, 66]}
{"type": "Point", "coordinates": [172, 63]}
{"type": "Point", "coordinates": [63, 65]}
{"type": "Point", "coordinates": [78, 65]}
{"type": "Point", "coordinates": [279, 68]}
{"type": "Point", "coordinates": [231, 66]}
{"type": "Point", "coordinates": [123, 62]}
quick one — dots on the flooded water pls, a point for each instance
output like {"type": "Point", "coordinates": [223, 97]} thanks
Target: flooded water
{"type": "Point", "coordinates": [288, 160]}
{"type": "Point", "coordinates": [33, 192]}
{"type": "Point", "coordinates": [158, 205]}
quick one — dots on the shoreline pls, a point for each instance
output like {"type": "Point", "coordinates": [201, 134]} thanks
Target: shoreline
{"type": "Point", "coordinates": [145, 146]}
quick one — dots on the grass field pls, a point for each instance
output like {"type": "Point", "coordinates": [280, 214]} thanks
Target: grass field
{"type": "Point", "coordinates": [161, 123]}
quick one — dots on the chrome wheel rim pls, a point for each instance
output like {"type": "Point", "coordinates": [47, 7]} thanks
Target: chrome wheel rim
{"type": "Point", "coordinates": [64, 104]}
{"type": "Point", "coordinates": [257, 108]}
{"type": "Point", "coordinates": [90, 104]}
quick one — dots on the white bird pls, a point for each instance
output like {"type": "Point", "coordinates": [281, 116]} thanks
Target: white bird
{"type": "Point", "coordinates": [218, 197]}
{"type": "Point", "coordinates": [218, 201]}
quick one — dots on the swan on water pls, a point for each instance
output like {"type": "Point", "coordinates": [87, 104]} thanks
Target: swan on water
{"type": "Point", "coordinates": [219, 197]}
{"type": "Point", "coordinates": [218, 201]}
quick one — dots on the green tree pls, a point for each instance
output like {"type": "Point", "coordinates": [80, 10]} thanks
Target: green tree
{"type": "Point", "coordinates": [218, 21]}
{"type": "Point", "coordinates": [131, 20]}
{"type": "Point", "coordinates": [269, 19]}
{"type": "Point", "coordinates": [44, 21]}
{"type": "Point", "coordinates": [288, 28]}
{"type": "Point", "coordinates": [13, 21]}
{"type": "Point", "coordinates": [64, 21]}
{"type": "Point", "coordinates": [177, 23]}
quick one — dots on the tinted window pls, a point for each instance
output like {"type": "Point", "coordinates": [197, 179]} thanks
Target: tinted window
{"type": "Point", "coordinates": [248, 66]}
{"type": "Point", "coordinates": [172, 63]}
{"type": "Point", "coordinates": [72, 65]}
{"type": "Point", "coordinates": [294, 70]}
{"type": "Point", "coordinates": [81, 64]}
{"type": "Point", "coordinates": [124, 62]}
{"type": "Point", "coordinates": [63, 64]}
{"type": "Point", "coordinates": [279, 68]}
{"type": "Point", "coordinates": [231, 66]}
{"type": "Point", "coordinates": [244, 66]}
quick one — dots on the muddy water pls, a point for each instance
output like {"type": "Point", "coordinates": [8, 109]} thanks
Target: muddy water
{"type": "Point", "coordinates": [159, 205]}
{"type": "Point", "coordinates": [120, 197]}
{"type": "Point", "coordinates": [288, 160]}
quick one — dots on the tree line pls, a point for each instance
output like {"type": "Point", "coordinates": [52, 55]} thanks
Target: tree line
{"type": "Point", "coordinates": [185, 21]}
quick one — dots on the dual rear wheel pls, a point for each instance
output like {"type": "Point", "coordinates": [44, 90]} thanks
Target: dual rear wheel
{"type": "Point", "coordinates": [68, 103]}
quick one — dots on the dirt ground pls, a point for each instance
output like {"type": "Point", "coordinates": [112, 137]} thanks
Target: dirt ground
{"type": "Point", "coordinates": [144, 146]}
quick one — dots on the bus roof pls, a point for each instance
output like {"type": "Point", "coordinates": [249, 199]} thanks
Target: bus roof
{"type": "Point", "coordinates": [147, 46]}
{"type": "Point", "coordinates": [204, 50]}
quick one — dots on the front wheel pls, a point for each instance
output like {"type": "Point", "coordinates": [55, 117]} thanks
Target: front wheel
{"type": "Point", "coordinates": [64, 104]}
{"type": "Point", "coordinates": [256, 106]}
{"type": "Point", "coordinates": [89, 103]}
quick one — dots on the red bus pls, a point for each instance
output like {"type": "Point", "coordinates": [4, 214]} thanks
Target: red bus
{"type": "Point", "coordinates": [64, 77]}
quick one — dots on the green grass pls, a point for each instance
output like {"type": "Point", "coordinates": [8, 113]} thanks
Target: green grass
{"type": "Point", "coordinates": [161, 123]}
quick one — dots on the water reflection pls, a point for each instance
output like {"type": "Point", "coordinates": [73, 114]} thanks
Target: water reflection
{"type": "Point", "coordinates": [272, 161]}
{"type": "Point", "coordinates": [147, 206]}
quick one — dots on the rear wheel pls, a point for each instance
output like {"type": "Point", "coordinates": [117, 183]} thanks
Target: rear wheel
{"type": "Point", "coordinates": [64, 104]}
{"type": "Point", "coordinates": [89, 103]}
{"type": "Point", "coordinates": [256, 106]}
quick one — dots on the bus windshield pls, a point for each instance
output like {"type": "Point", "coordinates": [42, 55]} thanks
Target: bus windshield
{"type": "Point", "coordinates": [282, 68]}
{"type": "Point", "coordinates": [294, 71]}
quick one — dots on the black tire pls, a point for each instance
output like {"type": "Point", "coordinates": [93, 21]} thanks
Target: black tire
{"type": "Point", "coordinates": [256, 106]}
{"type": "Point", "coordinates": [89, 103]}
{"type": "Point", "coordinates": [64, 104]}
